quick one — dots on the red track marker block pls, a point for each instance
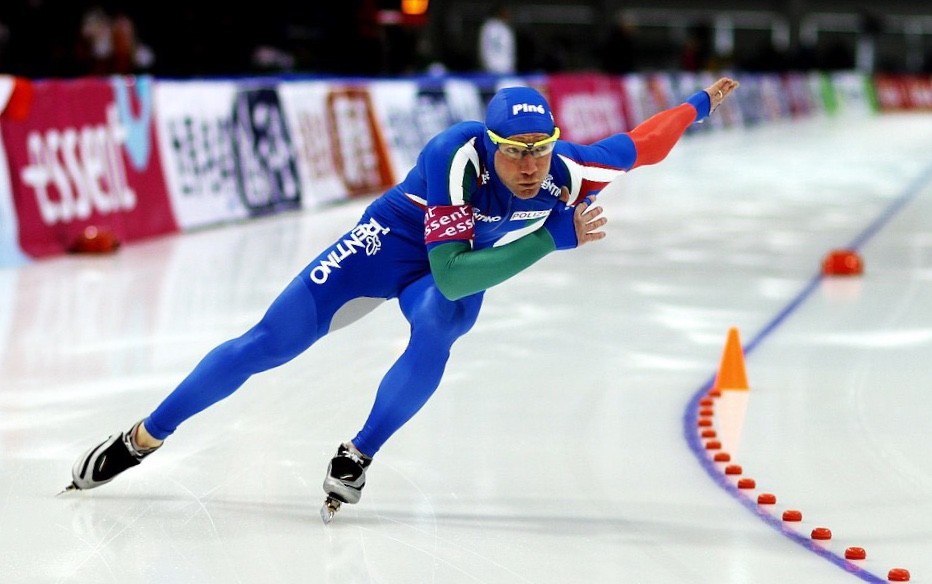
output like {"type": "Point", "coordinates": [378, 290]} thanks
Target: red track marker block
{"type": "Point", "coordinates": [898, 575]}
{"type": "Point", "coordinates": [821, 533]}
{"type": "Point", "coordinates": [855, 553]}
{"type": "Point", "coordinates": [792, 515]}
{"type": "Point", "coordinates": [842, 262]}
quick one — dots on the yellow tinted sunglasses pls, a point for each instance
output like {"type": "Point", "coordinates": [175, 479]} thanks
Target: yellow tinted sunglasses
{"type": "Point", "coordinates": [517, 150]}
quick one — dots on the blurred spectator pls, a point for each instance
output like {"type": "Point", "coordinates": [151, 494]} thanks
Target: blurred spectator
{"type": "Point", "coordinates": [871, 25]}
{"type": "Point", "coordinates": [130, 53]}
{"type": "Point", "coordinates": [95, 48]}
{"type": "Point", "coordinates": [697, 51]}
{"type": "Point", "coordinates": [498, 51]}
{"type": "Point", "coordinates": [617, 54]}
{"type": "Point", "coordinates": [107, 43]}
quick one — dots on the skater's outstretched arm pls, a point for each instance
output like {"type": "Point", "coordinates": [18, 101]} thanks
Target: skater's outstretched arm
{"type": "Point", "coordinates": [655, 137]}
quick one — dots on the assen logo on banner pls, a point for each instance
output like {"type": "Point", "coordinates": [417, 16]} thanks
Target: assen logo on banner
{"type": "Point", "coordinates": [70, 164]}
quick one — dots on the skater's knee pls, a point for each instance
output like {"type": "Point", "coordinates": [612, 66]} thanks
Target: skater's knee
{"type": "Point", "coordinates": [442, 327]}
{"type": "Point", "coordinates": [434, 314]}
{"type": "Point", "coordinates": [263, 347]}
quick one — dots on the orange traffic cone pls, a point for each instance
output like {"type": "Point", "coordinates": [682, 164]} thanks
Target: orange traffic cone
{"type": "Point", "coordinates": [731, 373]}
{"type": "Point", "coordinates": [731, 385]}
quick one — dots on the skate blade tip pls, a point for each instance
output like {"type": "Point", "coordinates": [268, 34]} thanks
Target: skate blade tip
{"type": "Point", "coordinates": [329, 509]}
{"type": "Point", "coordinates": [71, 487]}
{"type": "Point", "coordinates": [326, 515]}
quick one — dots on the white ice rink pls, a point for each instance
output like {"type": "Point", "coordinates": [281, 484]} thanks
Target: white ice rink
{"type": "Point", "coordinates": [562, 446]}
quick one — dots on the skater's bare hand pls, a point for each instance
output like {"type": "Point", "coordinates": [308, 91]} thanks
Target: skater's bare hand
{"type": "Point", "coordinates": [719, 90]}
{"type": "Point", "coordinates": [588, 221]}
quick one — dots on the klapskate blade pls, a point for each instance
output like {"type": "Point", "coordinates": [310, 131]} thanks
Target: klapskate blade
{"type": "Point", "coordinates": [71, 487]}
{"type": "Point", "coordinates": [328, 509]}
{"type": "Point", "coordinates": [326, 514]}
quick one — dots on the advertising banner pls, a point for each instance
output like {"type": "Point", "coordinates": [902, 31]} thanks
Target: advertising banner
{"type": "Point", "coordinates": [854, 92]}
{"type": "Point", "coordinates": [919, 91]}
{"type": "Point", "coordinates": [903, 92]}
{"type": "Point", "coordinates": [588, 106]}
{"type": "Point", "coordinates": [10, 254]}
{"type": "Point", "coordinates": [226, 150]}
{"type": "Point", "coordinates": [411, 112]}
{"type": "Point", "coordinates": [82, 154]}
{"type": "Point", "coordinates": [141, 157]}
{"type": "Point", "coordinates": [797, 93]}
{"type": "Point", "coordinates": [339, 147]}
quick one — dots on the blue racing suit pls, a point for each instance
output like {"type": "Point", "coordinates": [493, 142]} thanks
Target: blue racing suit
{"type": "Point", "coordinates": [435, 241]}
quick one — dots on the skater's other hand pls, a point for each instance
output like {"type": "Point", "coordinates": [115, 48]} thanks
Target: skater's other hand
{"type": "Point", "coordinates": [588, 221]}
{"type": "Point", "coordinates": [719, 90]}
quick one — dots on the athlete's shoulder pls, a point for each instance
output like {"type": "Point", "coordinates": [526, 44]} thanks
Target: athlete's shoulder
{"type": "Point", "coordinates": [456, 136]}
{"type": "Point", "coordinates": [463, 130]}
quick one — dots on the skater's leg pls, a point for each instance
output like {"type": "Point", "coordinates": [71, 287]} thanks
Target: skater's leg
{"type": "Point", "coordinates": [288, 327]}
{"type": "Point", "coordinates": [347, 280]}
{"type": "Point", "coordinates": [143, 439]}
{"type": "Point", "coordinates": [436, 323]}
{"type": "Point", "coordinates": [322, 298]}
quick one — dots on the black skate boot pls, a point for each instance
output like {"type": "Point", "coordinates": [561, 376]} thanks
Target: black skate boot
{"type": "Point", "coordinates": [102, 463]}
{"type": "Point", "coordinates": [346, 476]}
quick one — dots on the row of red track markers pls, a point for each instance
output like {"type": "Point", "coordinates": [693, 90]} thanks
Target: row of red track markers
{"type": "Point", "coordinates": [732, 377]}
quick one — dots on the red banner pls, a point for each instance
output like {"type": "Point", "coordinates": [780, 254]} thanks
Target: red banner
{"type": "Point", "coordinates": [82, 153]}
{"type": "Point", "coordinates": [903, 92]}
{"type": "Point", "coordinates": [588, 107]}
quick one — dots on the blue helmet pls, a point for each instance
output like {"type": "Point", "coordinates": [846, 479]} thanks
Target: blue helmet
{"type": "Point", "coordinates": [519, 110]}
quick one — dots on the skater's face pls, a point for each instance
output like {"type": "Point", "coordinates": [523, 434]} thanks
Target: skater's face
{"type": "Point", "coordinates": [523, 175]}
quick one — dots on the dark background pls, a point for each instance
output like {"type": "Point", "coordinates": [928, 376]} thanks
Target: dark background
{"type": "Point", "coordinates": [43, 38]}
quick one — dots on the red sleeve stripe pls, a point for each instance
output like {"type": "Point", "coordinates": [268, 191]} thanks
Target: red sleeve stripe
{"type": "Point", "coordinates": [655, 137]}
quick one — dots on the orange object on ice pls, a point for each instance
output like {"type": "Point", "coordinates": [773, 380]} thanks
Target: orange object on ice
{"type": "Point", "coordinates": [842, 262]}
{"type": "Point", "coordinates": [95, 240]}
{"type": "Point", "coordinates": [731, 372]}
